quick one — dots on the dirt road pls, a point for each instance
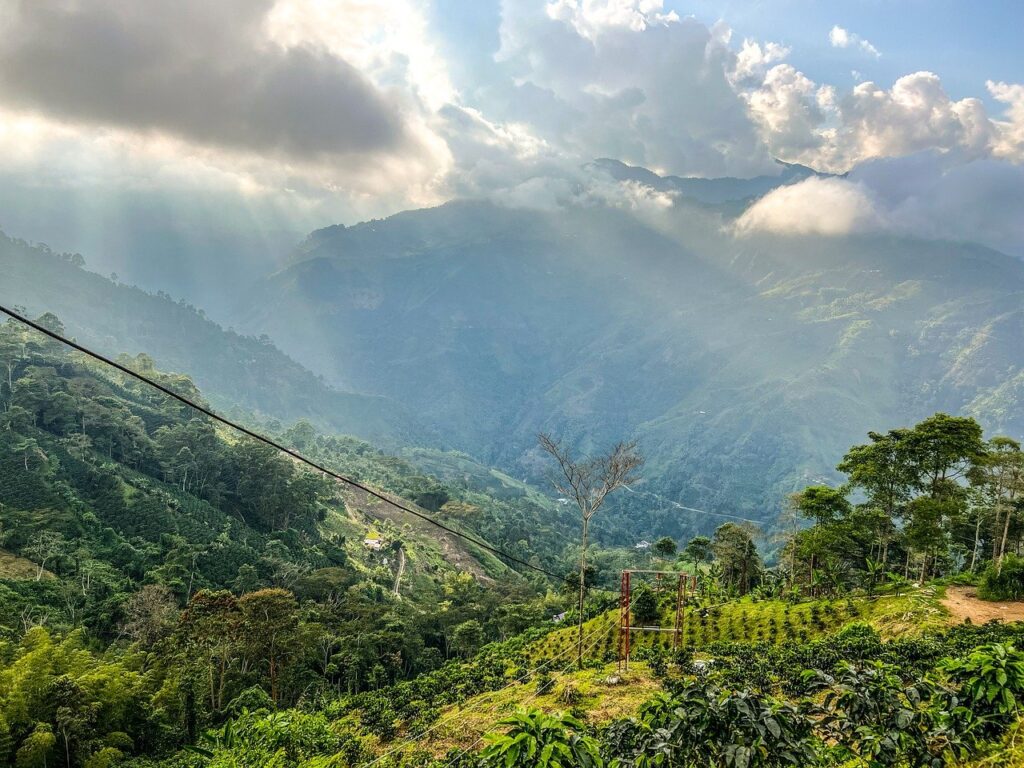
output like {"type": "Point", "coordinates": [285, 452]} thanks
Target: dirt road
{"type": "Point", "coordinates": [963, 603]}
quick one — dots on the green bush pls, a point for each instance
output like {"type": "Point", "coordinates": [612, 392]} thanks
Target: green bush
{"type": "Point", "coordinates": [992, 683]}
{"type": "Point", "coordinates": [1005, 584]}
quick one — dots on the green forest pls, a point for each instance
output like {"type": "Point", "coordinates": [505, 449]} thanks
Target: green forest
{"type": "Point", "coordinates": [175, 594]}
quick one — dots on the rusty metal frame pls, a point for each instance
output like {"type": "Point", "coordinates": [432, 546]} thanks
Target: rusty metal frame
{"type": "Point", "coordinates": [626, 628]}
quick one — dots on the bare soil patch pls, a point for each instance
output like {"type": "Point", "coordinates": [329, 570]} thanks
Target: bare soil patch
{"type": "Point", "coordinates": [963, 603]}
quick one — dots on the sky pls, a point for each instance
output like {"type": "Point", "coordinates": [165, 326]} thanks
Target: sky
{"type": "Point", "coordinates": [160, 136]}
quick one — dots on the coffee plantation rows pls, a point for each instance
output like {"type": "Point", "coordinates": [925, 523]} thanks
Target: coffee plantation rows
{"type": "Point", "coordinates": [768, 621]}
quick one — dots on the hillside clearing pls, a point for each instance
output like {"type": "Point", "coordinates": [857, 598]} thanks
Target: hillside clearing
{"type": "Point", "coordinates": [14, 567]}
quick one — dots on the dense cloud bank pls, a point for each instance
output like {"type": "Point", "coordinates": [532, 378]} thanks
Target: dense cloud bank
{"type": "Point", "coordinates": [346, 109]}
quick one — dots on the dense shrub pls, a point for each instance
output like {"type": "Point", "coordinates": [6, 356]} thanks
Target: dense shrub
{"type": "Point", "coordinates": [1005, 584]}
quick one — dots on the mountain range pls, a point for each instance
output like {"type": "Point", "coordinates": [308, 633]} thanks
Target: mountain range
{"type": "Point", "coordinates": [742, 365]}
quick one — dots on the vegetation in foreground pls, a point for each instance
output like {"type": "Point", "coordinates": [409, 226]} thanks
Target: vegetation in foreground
{"type": "Point", "coordinates": [171, 597]}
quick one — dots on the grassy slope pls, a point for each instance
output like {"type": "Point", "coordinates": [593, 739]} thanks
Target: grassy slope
{"type": "Point", "coordinates": [439, 547]}
{"type": "Point", "coordinates": [1009, 754]}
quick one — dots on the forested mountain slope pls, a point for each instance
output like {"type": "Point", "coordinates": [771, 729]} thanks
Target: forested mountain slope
{"type": "Point", "coordinates": [108, 485]}
{"type": "Point", "coordinates": [232, 369]}
{"type": "Point", "coordinates": [241, 578]}
{"type": "Point", "coordinates": [743, 366]}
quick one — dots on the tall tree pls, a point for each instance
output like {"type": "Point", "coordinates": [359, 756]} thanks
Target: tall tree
{"type": "Point", "coordinates": [944, 452]}
{"type": "Point", "coordinates": [736, 553]}
{"type": "Point", "coordinates": [665, 546]}
{"type": "Point", "coordinates": [46, 547]}
{"type": "Point", "coordinates": [698, 551]}
{"type": "Point", "coordinates": [1001, 476]}
{"type": "Point", "coordinates": [827, 507]}
{"type": "Point", "coordinates": [943, 449]}
{"type": "Point", "coordinates": [270, 631]}
{"type": "Point", "coordinates": [884, 471]}
{"type": "Point", "coordinates": [588, 482]}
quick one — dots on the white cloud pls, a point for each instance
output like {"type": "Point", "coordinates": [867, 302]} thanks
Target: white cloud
{"type": "Point", "coordinates": [622, 79]}
{"type": "Point", "coordinates": [270, 95]}
{"type": "Point", "coordinates": [366, 116]}
{"type": "Point", "coordinates": [915, 114]}
{"type": "Point", "coordinates": [949, 196]}
{"type": "Point", "coordinates": [387, 40]}
{"type": "Point", "coordinates": [815, 206]}
{"type": "Point", "coordinates": [842, 38]}
{"type": "Point", "coordinates": [1009, 139]}
{"type": "Point", "coordinates": [790, 107]}
{"type": "Point", "coordinates": [811, 124]}
{"type": "Point", "coordinates": [590, 18]}
{"type": "Point", "coordinates": [753, 60]}
{"type": "Point", "coordinates": [929, 195]}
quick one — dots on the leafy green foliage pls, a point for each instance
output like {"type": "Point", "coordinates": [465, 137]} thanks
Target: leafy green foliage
{"type": "Point", "coordinates": [645, 605]}
{"type": "Point", "coordinates": [992, 682]}
{"type": "Point", "coordinates": [934, 498]}
{"type": "Point", "coordinates": [537, 740]}
{"type": "Point", "coordinates": [698, 725]}
{"type": "Point", "coordinates": [224, 565]}
{"type": "Point", "coordinates": [875, 715]}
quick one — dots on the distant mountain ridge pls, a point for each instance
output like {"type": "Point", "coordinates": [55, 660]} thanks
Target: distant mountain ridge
{"type": "Point", "coordinates": [743, 366]}
{"type": "Point", "coordinates": [234, 370]}
{"type": "Point", "coordinates": [710, 191]}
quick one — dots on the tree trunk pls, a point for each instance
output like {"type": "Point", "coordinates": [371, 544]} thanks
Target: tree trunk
{"type": "Point", "coordinates": [583, 583]}
{"type": "Point", "coordinates": [1002, 543]}
{"type": "Point", "coordinates": [977, 541]}
{"type": "Point", "coordinates": [213, 688]}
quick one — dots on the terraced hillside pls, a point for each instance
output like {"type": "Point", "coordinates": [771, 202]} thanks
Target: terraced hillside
{"type": "Point", "coordinates": [770, 621]}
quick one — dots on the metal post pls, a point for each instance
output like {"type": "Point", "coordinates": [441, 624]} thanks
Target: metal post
{"type": "Point", "coordinates": [680, 600]}
{"type": "Point", "coordinates": [624, 607]}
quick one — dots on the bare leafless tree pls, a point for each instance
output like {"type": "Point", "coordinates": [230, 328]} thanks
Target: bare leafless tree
{"type": "Point", "coordinates": [588, 482]}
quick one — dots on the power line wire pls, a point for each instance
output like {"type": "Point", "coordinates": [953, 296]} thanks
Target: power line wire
{"type": "Point", "coordinates": [273, 443]}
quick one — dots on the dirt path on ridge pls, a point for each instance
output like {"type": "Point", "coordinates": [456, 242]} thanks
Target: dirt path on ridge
{"type": "Point", "coordinates": [963, 603]}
